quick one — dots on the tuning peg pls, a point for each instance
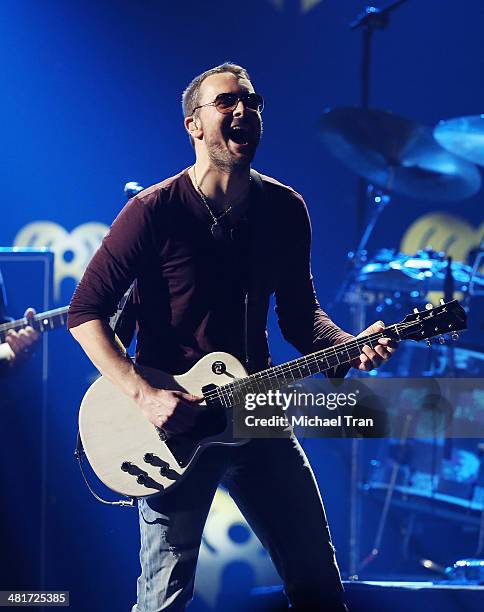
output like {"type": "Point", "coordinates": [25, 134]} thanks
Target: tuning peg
{"type": "Point", "coordinates": [429, 342]}
{"type": "Point", "coordinates": [454, 336]}
{"type": "Point", "coordinates": [415, 310]}
{"type": "Point", "coordinates": [428, 306]}
{"type": "Point", "coordinates": [441, 339]}
{"type": "Point", "coordinates": [442, 301]}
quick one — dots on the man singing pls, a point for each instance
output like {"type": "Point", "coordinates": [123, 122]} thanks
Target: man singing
{"type": "Point", "coordinates": [207, 248]}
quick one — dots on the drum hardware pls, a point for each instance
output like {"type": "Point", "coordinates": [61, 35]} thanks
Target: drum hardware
{"type": "Point", "coordinates": [474, 276]}
{"type": "Point", "coordinates": [418, 274]}
{"type": "Point", "coordinates": [393, 154]}
{"type": "Point", "coordinates": [378, 201]}
{"type": "Point", "coordinates": [397, 154]}
{"type": "Point", "coordinates": [466, 571]}
{"type": "Point", "coordinates": [369, 20]}
{"type": "Point", "coordinates": [480, 538]}
{"type": "Point", "coordinates": [376, 548]}
{"type": "Point", "coordinates": [432, 566]}
{"type": "Point", "coordinates": [453, 490]}
{"type": "Point", "coordinates": [411, 278]}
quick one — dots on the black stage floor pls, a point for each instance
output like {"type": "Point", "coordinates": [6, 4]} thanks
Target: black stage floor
{"type": "Point", "coordinates": [373, 596]}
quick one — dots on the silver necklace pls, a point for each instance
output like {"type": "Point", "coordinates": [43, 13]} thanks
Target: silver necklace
{"type": "Point", "coordinates": [217, 229]}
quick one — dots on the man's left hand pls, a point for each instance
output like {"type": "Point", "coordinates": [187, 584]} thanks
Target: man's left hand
{"type": "Point", "coordinates": [22, 343]}
{"type": "Point", "coordinates": [373, 357]}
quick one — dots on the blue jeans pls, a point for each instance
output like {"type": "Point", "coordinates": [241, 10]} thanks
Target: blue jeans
{"type": "Point", "coordinates": [275, 489]}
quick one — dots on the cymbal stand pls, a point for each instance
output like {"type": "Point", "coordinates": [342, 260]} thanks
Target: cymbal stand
{"type": "Point", "coordinates": [378, 201]}
{"type": "Point", "coordinates": [370, 19]}
{"type": "Point", "coordinates": [472, 281]}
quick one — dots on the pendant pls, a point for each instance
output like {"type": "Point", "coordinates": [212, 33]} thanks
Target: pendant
{"type": "Point", "coordinates": [218, 232]}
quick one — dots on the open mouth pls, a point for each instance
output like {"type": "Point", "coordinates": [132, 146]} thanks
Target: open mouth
{"type": "Point", "coordinates": [240, 135]}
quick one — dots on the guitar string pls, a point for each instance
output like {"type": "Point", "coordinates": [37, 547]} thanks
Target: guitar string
{"type": "Point", "coordinates": [227, 392]}
{"type": "Point", "coordinates": [51, 314]}
{"type": "Point", "coordinates": [313, 359]}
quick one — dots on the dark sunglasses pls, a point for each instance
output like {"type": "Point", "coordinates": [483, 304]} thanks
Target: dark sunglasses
{"type": "Point", "coordinates": [227, 102]}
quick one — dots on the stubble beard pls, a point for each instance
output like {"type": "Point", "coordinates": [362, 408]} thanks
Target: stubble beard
{"type": "Point", "coordinates": [223, 160]}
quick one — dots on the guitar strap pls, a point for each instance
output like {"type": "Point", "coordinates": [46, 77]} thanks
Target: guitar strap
{"type": "Point", "coordinates": [123, 322]}
{"type": "Point", "coordinates": [250, 296]}
{"type": "Point", "coordinates": [255, 176]}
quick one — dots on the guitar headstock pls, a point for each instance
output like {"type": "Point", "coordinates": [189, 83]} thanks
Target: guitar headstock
{"type": "Point", "coordinates": [448, 318]}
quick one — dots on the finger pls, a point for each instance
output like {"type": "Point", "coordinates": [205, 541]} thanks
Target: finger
{"type": "Point", "coordinates": [389, 349]}
{"type": "Point", "coordinates": [25, 339]}
{"type": "Point", "coordinates": [365, 363]}
{"type": "Point", "coordinates": [376, 327]}
{"type": "Point", "coordinates": [30, 313]}
{"type": "Point", "coordinates": [388, 342]}
{"type": "Point", "coordinates": [382, 352]}
{"type": "Point", "coordinates": [13, 341]}
{"type": "Point", "coordinates": [32, 334]}
{"type": "Point", "coordinates": [190, 397]}
{"type": "Point", "coordinates": [372, 356]}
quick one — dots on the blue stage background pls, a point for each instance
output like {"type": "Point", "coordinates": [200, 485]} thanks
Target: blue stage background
{"type": "Point", "coordinates": [90, 99]}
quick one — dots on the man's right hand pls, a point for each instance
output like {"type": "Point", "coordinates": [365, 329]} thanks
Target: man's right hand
{"type": "Point", "coordinates": [174, 411]}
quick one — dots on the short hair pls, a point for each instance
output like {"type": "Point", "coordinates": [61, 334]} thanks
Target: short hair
{"type": "Point", "coordinates": [191, 93]}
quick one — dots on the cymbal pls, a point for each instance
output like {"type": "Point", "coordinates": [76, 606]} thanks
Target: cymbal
{"type": "Point", "coordinates": [397, 154]}
{"type": "Point", "coordinates": [463, 136]}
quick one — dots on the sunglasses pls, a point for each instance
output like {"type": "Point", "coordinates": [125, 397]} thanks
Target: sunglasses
{"type": "Point", "coordinates": [227, 102]}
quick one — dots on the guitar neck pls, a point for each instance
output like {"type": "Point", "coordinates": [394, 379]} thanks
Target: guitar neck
{"type": "Point", "coordinates": [42, 322]}
{"type": "Point", "coordinates": [315, 363]}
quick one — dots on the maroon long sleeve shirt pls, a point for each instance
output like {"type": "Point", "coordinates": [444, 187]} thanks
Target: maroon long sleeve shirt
{"type": "Point", "coordinates": [191, 289]}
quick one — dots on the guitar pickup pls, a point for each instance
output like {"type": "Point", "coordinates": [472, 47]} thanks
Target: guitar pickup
{"type": "Point", "coordinates": [165, 469]}
{"type": "Point", "coordinates": [146, 481]}
{"type": "Point", "coordinates": [131, 468]}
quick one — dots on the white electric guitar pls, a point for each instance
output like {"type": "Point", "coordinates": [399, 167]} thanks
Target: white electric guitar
{"type": "Point", "coordinates": [133, 457]}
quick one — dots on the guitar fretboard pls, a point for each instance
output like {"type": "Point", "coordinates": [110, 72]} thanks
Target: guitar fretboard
{"type": "Point", "coordinates": [42, 322]}
{"type": "Point", "coordinates": [282, 375]}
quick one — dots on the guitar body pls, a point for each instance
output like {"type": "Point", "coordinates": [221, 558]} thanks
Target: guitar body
{"type": "Point", "coordinates": [115, 432]}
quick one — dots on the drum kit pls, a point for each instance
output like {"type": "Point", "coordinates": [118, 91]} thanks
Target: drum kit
{"type": "Point", "coordinates": [396, 155]}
